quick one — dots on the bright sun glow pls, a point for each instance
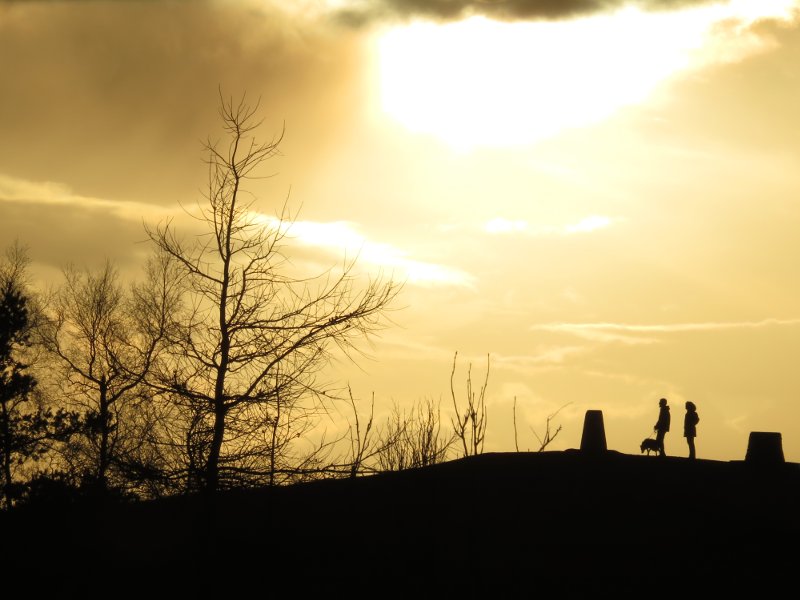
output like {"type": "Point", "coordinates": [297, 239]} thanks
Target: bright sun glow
{"type": "Point", "coordinates": [481, 82]}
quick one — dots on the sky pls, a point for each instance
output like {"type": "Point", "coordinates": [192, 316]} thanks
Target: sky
{"type": "Point", "coordinates": [598, 197]}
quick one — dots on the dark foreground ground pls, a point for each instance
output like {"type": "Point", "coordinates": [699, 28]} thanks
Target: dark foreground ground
{"type": "Point", "coordinates": [501, 525]}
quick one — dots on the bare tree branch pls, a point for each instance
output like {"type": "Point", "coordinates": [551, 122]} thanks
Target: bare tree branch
{"type": "Point", "coordinates": [470, 425]}
{"type": "Point", "coordinates": [246, 356]}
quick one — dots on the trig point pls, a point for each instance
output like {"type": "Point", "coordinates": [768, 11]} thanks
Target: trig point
{"type": "Point", "coordinates": [594, 433]}
{"type": "Point", "coordinates": [764, 448]}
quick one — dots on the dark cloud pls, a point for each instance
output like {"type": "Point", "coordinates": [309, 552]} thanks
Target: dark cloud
{"type": "Point", "coordinates": [57, 234]}
{"type": "Point", "coordinates": [505, 10]}
{"type": "Point", "coordinates": [113, 98]}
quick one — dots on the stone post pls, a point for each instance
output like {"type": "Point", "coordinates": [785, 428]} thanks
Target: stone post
{"type": "Point", "coordinates": [764, 448]}
{"type": "Point", "coordinates": [594, 433]}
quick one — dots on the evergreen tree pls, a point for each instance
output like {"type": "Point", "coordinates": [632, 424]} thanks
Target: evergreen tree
{"type": "Point", "coordinates": [26, 427]}
{"type": "Point", "coordinates": [16, 384]}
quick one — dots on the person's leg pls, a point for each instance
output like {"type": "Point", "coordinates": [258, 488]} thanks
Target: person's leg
{"type": "Point", "coordinates": [660, 442]}
{"type": "Point", "coordinates": [690, 441]}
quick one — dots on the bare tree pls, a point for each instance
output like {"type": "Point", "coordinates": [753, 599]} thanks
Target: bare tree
{"type": "Point", "coordinates": [547, 437]}
{"type": "Point", "coordinates": [363, 444]}
{"type": "Point", "coordinates": [104, 340]}
{"type": "Point", "coordinates": [255, 336]}
{"type": "Point", "coordinates": [374, 448]}
{"type": "Point", "coordinates": [414, 438]}
{"type": "Point", "coordinates": [469, 423]}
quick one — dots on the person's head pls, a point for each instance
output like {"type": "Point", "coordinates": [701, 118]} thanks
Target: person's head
{"type": "Point", "coordinates": [662, 402]}
{"type": "Point", "coordinates": [690, 406]}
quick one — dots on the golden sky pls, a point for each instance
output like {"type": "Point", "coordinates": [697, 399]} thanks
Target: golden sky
{"type": "Point", "coordinates": [600, 195]}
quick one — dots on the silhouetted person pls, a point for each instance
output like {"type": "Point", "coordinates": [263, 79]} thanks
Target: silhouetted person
{"type": "Point", "coordinates": [662, 425]}
{"type": "Point", "coordinates": [690, 422]}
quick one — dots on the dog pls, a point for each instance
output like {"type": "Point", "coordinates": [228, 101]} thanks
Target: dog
{"type": "Point", "coordinates": [649, 445]}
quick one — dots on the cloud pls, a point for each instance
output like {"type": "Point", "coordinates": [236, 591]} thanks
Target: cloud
{"type": "Point", "coordinates": [588, 224]}
{"type": "Point", "coordinates": [111, 96]}
{"type": "Point", "coordinates": [32, 197]}
{"type": "Point", "coordinates": [13, 189]}
{"type": "Point", "coordinates": [543, 356]}
{"type": "Point", "coordinates": [499, 225]}
{"type": "Point", "coordinates": [360, 12]}
{"type": "Point", "coordinates": [631, 334]}
{"type": "Point", "coordinates": [61, 225]}
{"type": "Point", "coordinates": [344, 237]}
{"type": "Point", "coordinates": [397, 346]}
{"type": "Point", "coordinates": [503, 226]}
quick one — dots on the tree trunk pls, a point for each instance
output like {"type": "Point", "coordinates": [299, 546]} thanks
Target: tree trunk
{"type": "Point", "coordinates": [212, 466]}
{"type": "Point", "coordinates": [6, 433]}
{"type": "Point", "coordinates": [105, 425]}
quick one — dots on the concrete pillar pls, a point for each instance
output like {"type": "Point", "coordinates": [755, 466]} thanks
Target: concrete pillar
{"type": "Point", "coordinates": [764, 448]}
{"type": "Point", "coordinates": [594, 432]}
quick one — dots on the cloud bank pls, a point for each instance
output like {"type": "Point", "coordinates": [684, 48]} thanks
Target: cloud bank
{"type": "Point", "coordinates": [361, 12]}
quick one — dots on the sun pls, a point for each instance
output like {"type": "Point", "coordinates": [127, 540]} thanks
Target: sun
{"type": "Point", "coordinates": [479, 82]}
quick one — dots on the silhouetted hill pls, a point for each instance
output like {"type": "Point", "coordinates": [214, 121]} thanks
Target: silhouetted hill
{"type": "Point", "coordinates": [495, 525]}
